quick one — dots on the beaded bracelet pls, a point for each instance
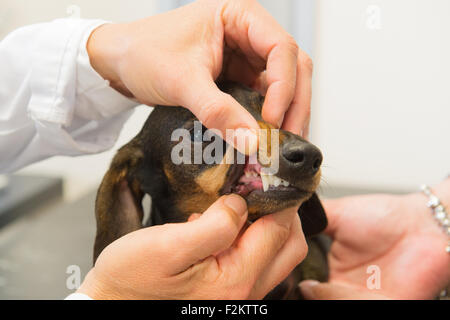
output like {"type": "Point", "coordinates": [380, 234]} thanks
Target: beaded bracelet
{"type": "Point", "coordinates": [439, 213]}
{"type": "Point", "coordinates": [441, 216]}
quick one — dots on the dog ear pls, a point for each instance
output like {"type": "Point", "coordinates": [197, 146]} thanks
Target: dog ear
{"type": "Point", "coordinates": [312, 215]}
{"type": "Point", "coordinates": [118, 208]}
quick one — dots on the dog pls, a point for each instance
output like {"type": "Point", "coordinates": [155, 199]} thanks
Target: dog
{"type": "Point", "coordinates": [144, 166]}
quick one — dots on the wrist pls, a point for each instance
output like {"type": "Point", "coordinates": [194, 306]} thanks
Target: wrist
{"type": "Point", "coordinates": [440, 207]}
{"type": "Point", "coordinates": [94, 288]}
{"type": "Point", "coordinates": [106, 48]}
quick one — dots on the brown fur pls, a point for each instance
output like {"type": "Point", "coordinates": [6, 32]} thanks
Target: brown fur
{"type": "Point", "coordinates": [143, 166]}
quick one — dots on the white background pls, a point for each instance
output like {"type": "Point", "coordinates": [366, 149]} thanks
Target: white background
{"type": "Point", "coordinates": [382, 91]}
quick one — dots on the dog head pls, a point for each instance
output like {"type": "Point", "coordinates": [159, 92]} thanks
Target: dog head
{"type": "Point", "coordinates": [185, 168]}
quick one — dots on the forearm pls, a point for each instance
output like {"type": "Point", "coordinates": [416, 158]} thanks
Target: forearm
{"type": "Point", "coordinates": [52, 102]}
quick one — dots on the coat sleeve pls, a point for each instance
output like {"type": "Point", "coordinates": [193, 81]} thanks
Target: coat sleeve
{"type": "Point", "coordinates": [52, 102]}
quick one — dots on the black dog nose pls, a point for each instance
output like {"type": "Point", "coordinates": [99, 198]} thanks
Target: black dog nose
{"type": "Point", "coordinates": [303, 155]}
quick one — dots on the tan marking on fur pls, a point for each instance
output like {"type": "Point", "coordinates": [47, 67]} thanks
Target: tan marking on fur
{"type": "Point", "coordinates": [253, 210]}
{"type": "Point", "coordinates": [316, 180]}
{"type": "Point", "coordinates": [169, 175]}
{"type": "Point", "coordinates": [267, 127]}
{"type": "Point", "coordinates": [281, 137]}
{"type": "Point", "coordinates": [197, 202]}
{"type": "Point", "coordinates": [135, 186]}
{"type": "Point", "coordinates": [212, 180]}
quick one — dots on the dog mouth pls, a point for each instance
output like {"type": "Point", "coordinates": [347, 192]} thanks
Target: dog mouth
{"type": "Point", "coordinates": [249, 178]}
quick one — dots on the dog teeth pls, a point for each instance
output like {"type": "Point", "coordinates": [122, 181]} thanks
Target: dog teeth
{"type": "Point", "coordinates": [251, 174]}
{"type": "Point", "coordinates": [265, 181]}
{"type": "Point", "coordinates": [271, 180]}
{"type": "Point", "coordinates": [276, 181]}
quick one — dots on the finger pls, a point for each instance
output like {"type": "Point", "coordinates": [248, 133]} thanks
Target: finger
{"type": "Point", "coordinates": [239, 69]}
{"type": "Point", "coordinates": [257, 33]}
{"type": "Point", "coordinates": [259, 244]}
{"type": "Point", "coordinates": [281, 77]}
{"type": "Point", "coordinates": [298, 116]}
{"type": "Point", "coordinates": [290, 255]}
{"type": "Point", "coordinates": [220, 111]}
{"type": "Point", "coordinates": [280, 51]}
{"type": "Point", "coordinates": [314, 290]}
{"type": "Point", "coordinates": [331, 207]}
{"type": "Point", "coordinates": [214, 231]}
{"type": "Point", "coordinates": [333, 210]}
{"type": "Point", "coordinates": [260, 84]}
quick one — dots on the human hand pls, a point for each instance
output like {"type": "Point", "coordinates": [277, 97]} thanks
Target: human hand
{"type": "Point", "coordinates": [174, 59]}
{"type": "Point", "coordinates": [209, 257]}
{"type": "Point", "coordinates": [395, 233]}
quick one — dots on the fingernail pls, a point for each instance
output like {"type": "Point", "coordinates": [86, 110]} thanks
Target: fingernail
{"type": "Point", "coordinates": [307, 288]}
{"type": "Point", "coordinates": [245, 140]}
{"type": "Point", "coordinates": [236, 203]}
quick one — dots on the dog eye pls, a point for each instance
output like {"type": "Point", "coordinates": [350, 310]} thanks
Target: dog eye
{"type": "Point", "coordinates": [197, 133]}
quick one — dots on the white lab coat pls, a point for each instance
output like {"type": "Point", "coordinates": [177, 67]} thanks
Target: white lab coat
{"type": "Point", "coordinates": [52, 102]}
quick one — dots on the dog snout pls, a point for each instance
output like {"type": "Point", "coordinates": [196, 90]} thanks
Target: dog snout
{"type": "Point", "coordinates": [304, 156]}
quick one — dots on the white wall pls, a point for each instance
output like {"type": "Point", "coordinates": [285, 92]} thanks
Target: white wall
{"type": "Point", "coordinates": [16, 13]}
{"type": "Point", "coordinates": [381, 100]}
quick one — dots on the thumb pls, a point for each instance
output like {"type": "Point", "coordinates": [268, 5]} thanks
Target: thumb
{"type": "Point", "coordinates": [314, 290]}
{"type": "Point", "coordinates": [333, 209]}
{"type": "Point", "coordinates": [205, 235]}
{"type": "Point", "coordinates": [219, 111]}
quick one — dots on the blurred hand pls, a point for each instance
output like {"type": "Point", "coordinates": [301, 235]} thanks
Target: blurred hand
{"type": "Point", "coordinates": [209, 257]}
{"type": "Point", "coordinates": [174, 59]}
{"type": "Point", "coordinates": [395, 233]}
